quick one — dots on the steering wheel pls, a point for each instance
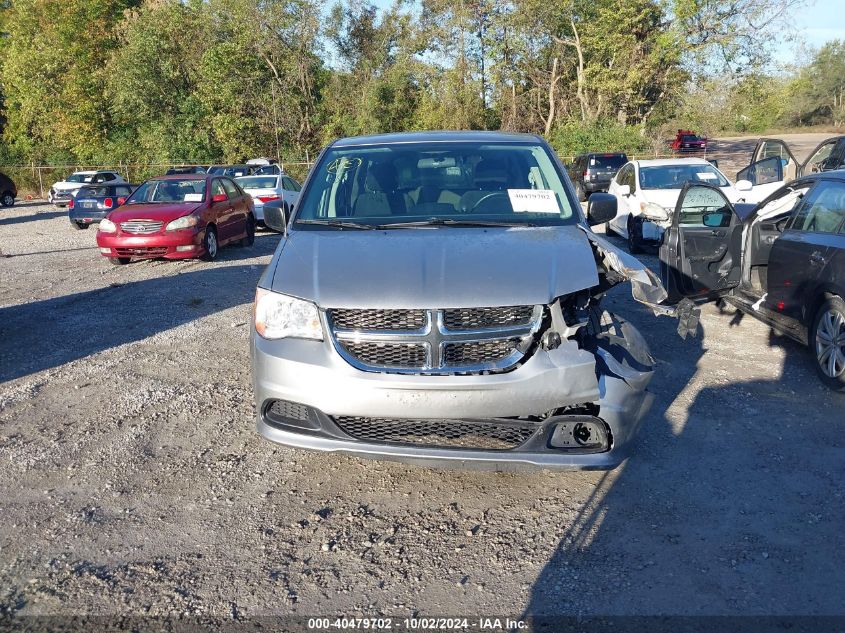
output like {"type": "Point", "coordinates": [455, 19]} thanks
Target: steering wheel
{"type": "Point", "coordinates": [485, 198]}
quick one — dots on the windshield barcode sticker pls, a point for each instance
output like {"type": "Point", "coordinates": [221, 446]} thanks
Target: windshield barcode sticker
{"type": "Point", "coordinates": [533, 201]}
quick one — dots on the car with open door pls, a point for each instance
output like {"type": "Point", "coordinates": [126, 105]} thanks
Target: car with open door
{"type": "Point", "coordinates": [773, 163]}
{"type": "Point", "coordinates": [647, 190]}
{"type": "Point", "coordinates": [783, 264]}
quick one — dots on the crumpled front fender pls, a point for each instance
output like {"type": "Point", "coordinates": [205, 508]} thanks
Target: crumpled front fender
{"type": "Point", "coordinates": [646, 287]}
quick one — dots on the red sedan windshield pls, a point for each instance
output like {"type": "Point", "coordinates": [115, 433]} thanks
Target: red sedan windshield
{"type": "Point", "coordinates": [172, 191]}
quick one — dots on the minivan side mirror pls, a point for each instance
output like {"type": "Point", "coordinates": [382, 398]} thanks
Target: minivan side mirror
{"type": "Point", "coordinates": [276, 218]}
{"type": "Point", "coordinates": [601, 208]}
{"type": "Point", "coordinates": [624, 190]}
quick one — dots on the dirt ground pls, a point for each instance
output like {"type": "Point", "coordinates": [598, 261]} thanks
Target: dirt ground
{"type": "Point", "coordinates": [133, 482]}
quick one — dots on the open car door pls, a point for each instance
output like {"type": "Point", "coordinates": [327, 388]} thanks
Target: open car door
{"type": "Point", "coordinates": [775, 147]}
{"type": "Point", "coordinates": [700, 252]}
{"type": "Point", "coordinates": [827, 155]}
{"type": "Point", "coordinates": [772, 165]}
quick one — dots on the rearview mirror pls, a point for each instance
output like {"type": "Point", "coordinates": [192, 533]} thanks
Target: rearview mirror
{"type": "Point", "coordinates": [624, 190]}
{"type": "Point", "coordinates": [275, 218]}
{"type": "Point", "coordinates": [743, 185]}
{"type": "Point", "coordinates": [219, 197]}
{"type": "Point", "coordinates": [601, 208]}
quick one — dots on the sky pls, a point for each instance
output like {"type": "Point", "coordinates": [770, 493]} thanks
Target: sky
{"type": "Point", "coordinates": [822, 21]}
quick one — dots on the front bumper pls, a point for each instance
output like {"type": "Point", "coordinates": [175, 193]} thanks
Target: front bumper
{"type": "Point", "coordinates": [311, 373]}
{"type": "Point", "coordinates": [159, 245]}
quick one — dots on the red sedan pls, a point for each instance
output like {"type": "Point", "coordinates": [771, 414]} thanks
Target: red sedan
{"type": "Point", "coordinates": [178, 217]}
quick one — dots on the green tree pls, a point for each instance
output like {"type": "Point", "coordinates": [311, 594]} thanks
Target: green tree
{"type": "Point", "coordinates": [374, 88]}
{"type": "Point", "coordinates": [157, 112]}
{"type": "Point", "coordinates": [55, 79]}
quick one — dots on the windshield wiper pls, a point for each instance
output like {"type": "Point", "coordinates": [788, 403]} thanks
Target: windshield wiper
{"type": "Point", "coordinates": [451, 222]}
{"type": "Point", "coordinates": [342, 224]}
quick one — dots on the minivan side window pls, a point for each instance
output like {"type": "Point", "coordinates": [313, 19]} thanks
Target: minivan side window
{"type": "Point", "coordinates": [823, 209]}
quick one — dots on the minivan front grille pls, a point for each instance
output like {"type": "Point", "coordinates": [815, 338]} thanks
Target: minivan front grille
{"type": "Point", "coordinates": [450, 341]}
{"type": "Point", "coordinates": [141, 227]}
{"type": "Point", "coordinates": [472, 318]}
{"type": "Point", "coordinates": [379, 319]}
{"type": "Point", "coordinates": [444, 433]}
{"type": "Point", "coordinates": [387, 354]}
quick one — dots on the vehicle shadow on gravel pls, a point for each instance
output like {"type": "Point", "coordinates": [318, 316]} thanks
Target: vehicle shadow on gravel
{"type": "Point", "coordinates": [33, 217]}
{"type": "Point", "coordinates": [45, 334]}
{"type": "Point", "coordinates": [729, 506]}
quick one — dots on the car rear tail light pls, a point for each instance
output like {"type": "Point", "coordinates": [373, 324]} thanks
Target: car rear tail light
{"type": "Point", "coordinates": [70, 203]}
{"type": "Point", "coordinates": [268, 198]}
{"type": "Point", "coordinates": [108, 203]}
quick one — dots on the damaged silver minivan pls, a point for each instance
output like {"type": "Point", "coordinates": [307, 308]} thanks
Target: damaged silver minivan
{"type": "Point", "coordinates": [436, 298]}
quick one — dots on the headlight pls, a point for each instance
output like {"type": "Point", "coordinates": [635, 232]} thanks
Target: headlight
{"type": "Point", "coordinates": [184, 222]}
{"type": "Point", "coordinates": [107, 226]}
{"type": "Point", "coordinates": [654, 211]}
{"type": "Point", "coordinates": [280, 316]}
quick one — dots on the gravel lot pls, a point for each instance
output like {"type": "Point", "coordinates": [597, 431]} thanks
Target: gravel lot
{"type": "Point", "coordinates": [133, 482]}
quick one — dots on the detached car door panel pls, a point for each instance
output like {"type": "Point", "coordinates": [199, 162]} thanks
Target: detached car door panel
{"type": "Point", "coordinates": [700, 252]}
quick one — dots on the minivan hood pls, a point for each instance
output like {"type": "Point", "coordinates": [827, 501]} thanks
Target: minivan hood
{"type": "Point", "coordinates": [438, 267]}
{"type": "Point", "coordinates": [164, 212]}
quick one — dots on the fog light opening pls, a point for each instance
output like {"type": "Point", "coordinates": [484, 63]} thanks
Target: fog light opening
{"type": "Point", "coordinates": [105, 251]}
{"type": "Point", "coordinates": [187, 247]}
{"type": "Point", "coordinates": [582, 434]}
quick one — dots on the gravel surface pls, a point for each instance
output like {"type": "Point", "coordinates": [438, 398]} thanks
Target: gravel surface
{"type": "Point", "coordinates": [133, 481]}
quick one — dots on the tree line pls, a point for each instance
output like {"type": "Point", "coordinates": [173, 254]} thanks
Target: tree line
{"type": "Point", "coordinates": [107, 81]}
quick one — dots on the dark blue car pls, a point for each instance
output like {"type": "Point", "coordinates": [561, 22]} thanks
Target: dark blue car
{"type": "Point", "coordinates": [92, 203]}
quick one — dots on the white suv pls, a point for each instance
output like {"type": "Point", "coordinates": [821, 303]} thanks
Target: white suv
{"type": "Point", "coordinates": [61, 192]}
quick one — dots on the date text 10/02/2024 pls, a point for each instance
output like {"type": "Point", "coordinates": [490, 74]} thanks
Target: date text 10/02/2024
{"type": "Point", "coordinates": [416, 624]}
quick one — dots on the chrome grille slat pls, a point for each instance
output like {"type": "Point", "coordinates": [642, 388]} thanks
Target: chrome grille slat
{"type": "Point", "coordinates": [397, 341]}
{"type": "Point", "coordinates": [141, 227]}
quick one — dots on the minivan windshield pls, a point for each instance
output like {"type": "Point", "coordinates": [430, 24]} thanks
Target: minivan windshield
{"type": "Point", "coordinates": [438, 183]}
{"type": "Point", "coordinates": [174, 191]}
{"type": "Point", "coordinates": [674, 176]}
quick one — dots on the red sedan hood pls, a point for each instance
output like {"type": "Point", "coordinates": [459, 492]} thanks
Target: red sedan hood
{"type": "Point", "coordinates": [164, 212]}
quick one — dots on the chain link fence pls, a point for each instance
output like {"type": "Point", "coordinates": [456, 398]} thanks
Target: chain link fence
{"type": "Point", "coordinates": [34, 181]}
